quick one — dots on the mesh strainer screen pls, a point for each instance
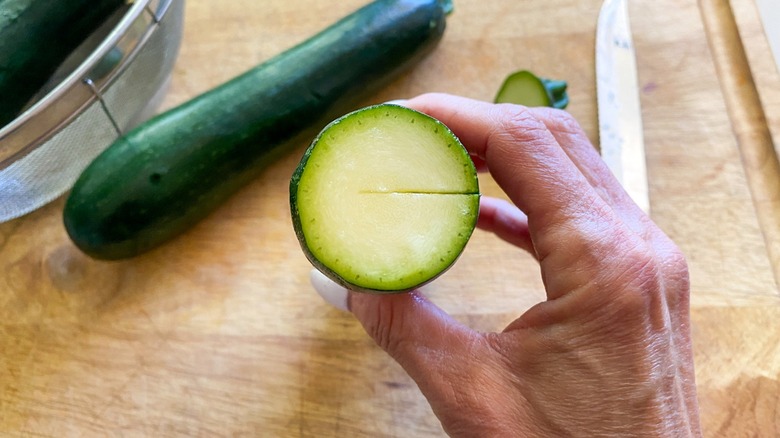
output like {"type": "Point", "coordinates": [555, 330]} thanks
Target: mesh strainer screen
{"type": "Point", "coordinates": [143, 83]}
{"type": "Point", "coordinates": [46, 172]}
{"type": "Point", "coordinates": [41, 172]}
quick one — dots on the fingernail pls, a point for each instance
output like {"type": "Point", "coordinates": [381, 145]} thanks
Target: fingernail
{"type": "Point", "coordinates": [332, 293]}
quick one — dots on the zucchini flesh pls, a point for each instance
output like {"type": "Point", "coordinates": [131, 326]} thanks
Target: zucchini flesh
{"type": "Point", "coordinates": [525, 88]}
{"type": "Point", "coordinates": [385, 199]}
{"type": "Point", "coordinates": [171, 171]}
{"type": "Point", "coordinates": [35, 38]}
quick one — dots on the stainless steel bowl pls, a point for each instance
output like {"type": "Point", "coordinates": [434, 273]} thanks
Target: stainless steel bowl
{"type": "Point", "coordinates": [115, 80]}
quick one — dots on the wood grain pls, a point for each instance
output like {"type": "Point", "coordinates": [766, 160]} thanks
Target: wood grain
{"type": "Point", "coordinates": [218, 333]}
{"type": "Point", "coordinates": [748, 120]}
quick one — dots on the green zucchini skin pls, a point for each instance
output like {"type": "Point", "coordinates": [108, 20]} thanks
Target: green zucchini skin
{"type": "Point", "coordinates": [35, 38]}
{"type": "Point", "coordinates": [173, 170]}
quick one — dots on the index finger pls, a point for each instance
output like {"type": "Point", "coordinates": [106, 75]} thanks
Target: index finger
{"type": "Point", "coordinates": [522, 155]}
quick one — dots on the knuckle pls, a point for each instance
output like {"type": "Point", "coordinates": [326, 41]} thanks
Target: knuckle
{"type": "Point", "coordinates": [562, 121]}
{"type": "Point", "coordinates": [517, 123]}
{"type": "Point", "coordinates": [677, 277]}
{"type": "Point", "coordinates": [676, 262]}
{"type": "Point", "coordinates": [515, 128]}
{"type": "Point", "coordinates": [640, 269]}
{"type": "Point", "coordinates": [635, 259]}
{"type": "Point", "coordinates": [647, 291]}
{"type": "Point", "coordinates": [658, 275]}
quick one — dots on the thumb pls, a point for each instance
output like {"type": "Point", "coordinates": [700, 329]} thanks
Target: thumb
{"type": "Point", "coordinates": [421, 337]}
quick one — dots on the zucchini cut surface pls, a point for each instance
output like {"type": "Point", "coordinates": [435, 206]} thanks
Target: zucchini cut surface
{"type": "Point", "coordinates": [385, 199]}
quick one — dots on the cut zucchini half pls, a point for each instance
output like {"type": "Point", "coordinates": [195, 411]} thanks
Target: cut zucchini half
{"type": "Point", "coordinates": [525, 88]}
{"type": "Point", "coordinates": [384, 200]}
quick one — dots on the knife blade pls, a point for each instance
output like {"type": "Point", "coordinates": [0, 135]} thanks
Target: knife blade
{"type": "Point", "coordinates": [619, 110]}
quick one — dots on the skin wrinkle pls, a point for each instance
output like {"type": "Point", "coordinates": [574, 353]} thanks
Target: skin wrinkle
{"type": "Point", "coordinates": [549, 313]}
{"type": "Point", "coordinates": [591, 371]}
{"type": "Point", "coordinates": [542, 398]}
{"type": "Point", "coordinates": [659, 368]}
{"type": "Point", "coordinates": [516, 127]}
{"type": "Point", "coordinates": [567, 131]}
{"type": "Point", "coordinates": [478, 376]}
{"type": "Point", "coordinates": [384, 325]}
{"type": "Point", "coordinates": [421, 342]}
{"type": "Point", "coordinates": [499, 416]}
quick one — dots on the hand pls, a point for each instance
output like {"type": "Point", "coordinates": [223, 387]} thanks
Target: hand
{"type": "Point", "coordinates": [608, 353]}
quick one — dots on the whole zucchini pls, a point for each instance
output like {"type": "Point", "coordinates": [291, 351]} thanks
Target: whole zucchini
{"type": "Point", "coordinates": [173, 170]}
{"type": "Point", "coordinates": [35, 38]}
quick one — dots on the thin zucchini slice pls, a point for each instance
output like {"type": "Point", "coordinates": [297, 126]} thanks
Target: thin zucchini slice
{"type": "Point", "coordinates": [525, 88]}
{"type": "Point", "coordinates": [385, 199]}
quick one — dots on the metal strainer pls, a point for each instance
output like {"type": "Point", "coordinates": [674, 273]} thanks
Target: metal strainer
{"type": "Point", "coordinates": [115, 80]}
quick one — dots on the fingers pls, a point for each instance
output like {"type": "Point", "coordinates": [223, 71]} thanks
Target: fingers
{"type": "Point", "coordinates": [526, 160]}
{"type": "Point", "coordinates": [574, 143]}
{"type": "Point", "coordinates": [479, 163]}
{"type": "Point", "coordinates": [505, 221]}
{"type": "Point", "coordinates": [521, 153]}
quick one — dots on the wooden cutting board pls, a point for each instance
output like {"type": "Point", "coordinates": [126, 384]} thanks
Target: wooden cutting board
{"type": "Point", "coordinates": [218, 333]}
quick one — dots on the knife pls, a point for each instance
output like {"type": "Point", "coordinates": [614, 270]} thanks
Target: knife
{"type": "Point", "coordinates": [619, 111]}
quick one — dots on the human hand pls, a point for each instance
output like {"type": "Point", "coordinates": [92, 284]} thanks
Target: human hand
{"type": "Point", "coordinates": [608, 353]}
